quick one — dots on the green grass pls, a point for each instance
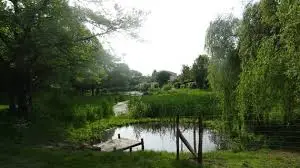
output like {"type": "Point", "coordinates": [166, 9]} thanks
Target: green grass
{"type": "Point", "coordinates": [72, 109]}
{"type": "Point", "coordinates": [29, 157]}
{"type": "Point", "coordinates": [185, 102]}
{"type": "Point", "coordinates": [255, 159]}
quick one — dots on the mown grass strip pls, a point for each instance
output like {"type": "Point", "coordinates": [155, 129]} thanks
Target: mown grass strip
{"type": "Point", "coordinates": [40, 157]}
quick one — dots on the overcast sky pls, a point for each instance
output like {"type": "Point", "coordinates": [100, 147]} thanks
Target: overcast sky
{"type": "Point", "coordinates": [173, 33]}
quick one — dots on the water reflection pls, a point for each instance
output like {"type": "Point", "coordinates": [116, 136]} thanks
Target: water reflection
{"type": "Point", "coordinates": [161, 137]}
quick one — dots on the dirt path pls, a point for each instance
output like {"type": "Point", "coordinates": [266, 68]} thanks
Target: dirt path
{"type": "Point", "coordinates": [121, 108]}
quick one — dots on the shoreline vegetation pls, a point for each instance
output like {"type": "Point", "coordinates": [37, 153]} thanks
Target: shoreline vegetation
{"type": "Point", "coordinates": [42, 155]}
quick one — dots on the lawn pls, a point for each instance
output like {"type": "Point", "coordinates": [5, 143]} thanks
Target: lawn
{"type": "Point", "coordinates": [30, 157]}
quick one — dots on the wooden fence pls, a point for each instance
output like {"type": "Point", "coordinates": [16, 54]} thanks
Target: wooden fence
{"type": "Point", "coordinates": [179, 136]}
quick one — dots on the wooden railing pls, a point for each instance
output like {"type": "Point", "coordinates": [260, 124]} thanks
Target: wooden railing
{"type": "Point", "coordinates": [179, 136]}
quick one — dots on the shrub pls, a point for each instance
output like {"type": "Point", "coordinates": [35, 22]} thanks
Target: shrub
{"type": "Point", "coordinates": [144, 87]}
{"type": "Point", "coordinates": [177, 85]}
{"type": "Point", "coordinates": [192, 85]}
{"type": "Point", "coordinates": [167, 87]}
{"type": "Point", "coordinates": [154, 85]}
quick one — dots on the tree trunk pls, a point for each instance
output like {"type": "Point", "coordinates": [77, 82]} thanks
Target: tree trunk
{"type": "Point", "coordinates": [12, 103]}
{"type": "Point", "coordinates": [93, 92]}
{"type": "Point", "coordinates": [24, 95]}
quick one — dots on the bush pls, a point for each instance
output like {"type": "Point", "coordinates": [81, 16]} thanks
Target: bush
{"type": "Point", "coordinates": [154, 85]}
{"type": "Point", "coordinates": [144, 87]}
{"type": "Point", "coordinates": [167, 87]}
{"type": "Point", "coordinates": [192, 85]}
{"type": "Point", "coordinates": [177, 85]}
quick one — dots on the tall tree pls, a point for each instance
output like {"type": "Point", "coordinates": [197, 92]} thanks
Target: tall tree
{"type": "Point", "coordinates": [162, 77]}
{"type": "Point", "coordinates": [223, 70]}
{"type": "Point", "coordinates": [118, 78]}
{"type": "Point", "coordinates": [269, 58]}
{"type": "Point", "coordinates": [199, 71]}
{"type": "Point", "coordinates": [186, 75]}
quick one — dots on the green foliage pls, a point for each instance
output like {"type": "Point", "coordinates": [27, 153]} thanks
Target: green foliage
{"type": "Point", "coordinates": [200, 70]}
{"type": "Point", "coordinates": [196, 73]}
{"type": "Point", "coordinates": [162, 77]}
{"type": "Point", "coordinates": [13, 156]}
{"type": "Point", "coordinates": [177, 85]}
{"type": "Point", "coordinates": [167, 87]}
{"type": "Point", "coordinates": [223, 70]}
{"type": "Point", "coordinates": [192, 85]}
{"type": "Point", "coordinates": [186, 74]}
{"type": "Point", "coordinates": [268, 39]}
{"type": "Point", "coordinates": [167, 104]}
{"type": "Point", "coordinates": [144, 87]}
{"type": "Point", "coordinates": [74, 110]}
{"type": "Point", "coordinates": [46, 44]}
{"type": "Point", "coordinates": [254, 68]}
{"type": "Point", "coordinates": [118, 78]}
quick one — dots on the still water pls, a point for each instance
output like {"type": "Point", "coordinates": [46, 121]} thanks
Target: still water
{"type": "Point", "coordinates": [161, 137]}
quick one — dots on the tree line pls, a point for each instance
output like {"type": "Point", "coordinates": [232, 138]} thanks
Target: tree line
{"type": "Point", "coordinates": [195, 76]}
{"type": "Point", "coordinates": [46, 44]}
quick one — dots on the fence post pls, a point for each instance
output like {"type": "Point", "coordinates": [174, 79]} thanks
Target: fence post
{"type": "Point", "coordinates": [194, 135]}
{"type": "Point", "coordinates": [200, 140]}
{"type": "Point", "coordinates": [177, 137]}
{"type": "Point", "coordinates": [142, 143]}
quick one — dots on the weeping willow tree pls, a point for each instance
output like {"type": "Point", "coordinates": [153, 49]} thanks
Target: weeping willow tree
{"type": "Point", "coordinates": [255, 65]}
{"type": "Point", "coordinates": [268, 90]}
{"type": "Point", "coordinates": [224, 65]}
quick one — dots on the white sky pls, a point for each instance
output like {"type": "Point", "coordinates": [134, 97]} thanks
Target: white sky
{"type": "Point", "coordinates": [174, 32]}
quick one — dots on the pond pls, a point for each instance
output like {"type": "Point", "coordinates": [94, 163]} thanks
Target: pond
{"type": "Point", "coordinates": [161, 137]}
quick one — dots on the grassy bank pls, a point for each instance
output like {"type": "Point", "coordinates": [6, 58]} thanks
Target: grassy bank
{"type": "Point", "coordinates": [54, 115]}
{"type": "Point", "coordinates": [185, 102]}
{"type": "Point", "coordinates": [46, 158]}
{"type": "Point", "coordinates": [72, 109]}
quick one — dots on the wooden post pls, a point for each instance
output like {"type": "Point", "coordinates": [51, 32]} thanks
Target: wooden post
{"type": "Point", "coordinates": [119, 137]}
{"type": "Point", "coordinates": [194, 136]}
{"type": "Point", "coordinates": [142, 143]}
{"type": "Point", "coordinates": [200, 140]}
{"type": "Point", "coordinates": [177, 137]}
{"type": "Point", "coordinates": [186, 143]}
{"type": "Point", "coordinates": [181, 147]}
{"type": "Point", "coordinates": [130, 150]}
